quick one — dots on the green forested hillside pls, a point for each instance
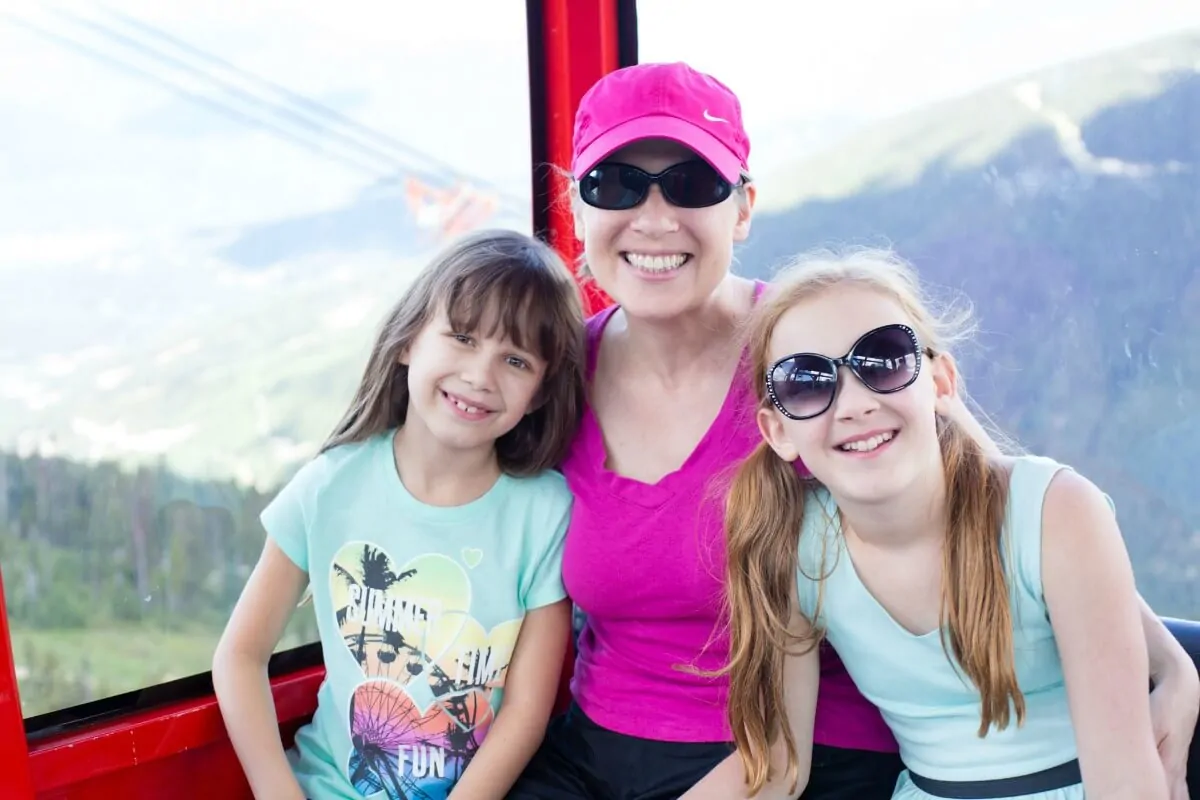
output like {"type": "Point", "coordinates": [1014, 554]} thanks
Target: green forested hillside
{"type": "Point", "coordinates": [116, 580]}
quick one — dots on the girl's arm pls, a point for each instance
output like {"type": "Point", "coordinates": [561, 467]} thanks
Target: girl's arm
{"type": "Point", "coordinates": [1094, 608]}
{"type": "Point", "coordinates": [240, 672]}
{"type": "Point", "coordinates": [530, 689]}
{"type": "Point", "coordinates": [801, 674]}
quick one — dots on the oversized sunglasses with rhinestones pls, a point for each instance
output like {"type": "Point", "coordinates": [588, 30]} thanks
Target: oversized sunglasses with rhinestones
{"type": "Point", "coordinates": [886, 359]}
{"type": "Point", "coordinates": [617, 187]}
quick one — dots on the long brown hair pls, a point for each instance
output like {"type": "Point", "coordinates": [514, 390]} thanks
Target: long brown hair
{"type": "Point", "coordinates": [765, 509]}
{"type": "Point", "coordinates": [521, 287]}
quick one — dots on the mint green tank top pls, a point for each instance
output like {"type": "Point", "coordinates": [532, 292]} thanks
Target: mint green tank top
{"type": "Point", "coordinates": [931, 707]}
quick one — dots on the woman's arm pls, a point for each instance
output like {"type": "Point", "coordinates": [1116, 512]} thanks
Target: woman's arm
{"type": "Point", "coordinates": [1168, 660]}
{"type": "Point", "coordinates": [1094, 608]}
{"type": "Point", "coordinates": [240, 672]}
{"type": "Point", "coordinates": [1174, 702]}
{"type": "Point", "coordinates": [530, 688]}
{"type": "Point", "coordinates": [801, 674]}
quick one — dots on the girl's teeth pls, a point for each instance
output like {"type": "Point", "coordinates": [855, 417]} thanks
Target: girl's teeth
{"type": "Point", "coordinates": [465, 407]}
{"type": "Point", "coordinates": [656, 263]}
{"type": "Point", "coordinates": [867, 445]}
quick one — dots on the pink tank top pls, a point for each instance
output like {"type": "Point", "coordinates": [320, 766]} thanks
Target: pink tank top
{"type": "Point", "coordinates": [645, 562]}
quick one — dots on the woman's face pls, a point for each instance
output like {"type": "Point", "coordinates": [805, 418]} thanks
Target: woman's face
{"type": "Point", "coordinates": [658, 260]}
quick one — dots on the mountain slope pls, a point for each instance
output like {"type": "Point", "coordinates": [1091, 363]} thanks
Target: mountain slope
{"type": "Point", "coordinates": [1066, 206]}
{"type": "Point", "coordinates": [970, 131]}
{"type": "Point", "coordinates": [228, 353]}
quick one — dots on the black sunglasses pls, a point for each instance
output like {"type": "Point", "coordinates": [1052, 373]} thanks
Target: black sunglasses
{"type": "Point", "coordinates": [617, 187]}
{"type": "Point", "coordinates": [885, 360]}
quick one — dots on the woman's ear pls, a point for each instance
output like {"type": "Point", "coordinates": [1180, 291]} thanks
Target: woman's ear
{"type": "Point", "coordinates": [576, 209]}
{"type": "Point", "coordinates": [745, 204]}
{"type": "Point", "coordinates": [945, 383]}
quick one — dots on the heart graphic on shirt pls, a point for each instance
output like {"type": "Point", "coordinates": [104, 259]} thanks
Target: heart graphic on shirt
{"type": "Point", "coordinates": [463, 679]}
{"type": "Point", "coordinates": [400, 748]}
{"type": "Point", "coordinates": [407, 750]}
{"type": "Point", "coordinates": [397, 621]}
{"type": "Point", "coordinates": [480, 658]}
{"type": "Point", "coordinates": [472, 556]}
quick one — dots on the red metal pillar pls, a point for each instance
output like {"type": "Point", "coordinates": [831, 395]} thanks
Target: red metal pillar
{"type": "Point", "coordinates": [582, 44]}
{"type": "Point", "coordinates": [15, 781]}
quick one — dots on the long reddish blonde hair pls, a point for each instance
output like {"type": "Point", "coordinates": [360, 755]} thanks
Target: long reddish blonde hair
{"type": "Point", "coordinates": [765, 508]}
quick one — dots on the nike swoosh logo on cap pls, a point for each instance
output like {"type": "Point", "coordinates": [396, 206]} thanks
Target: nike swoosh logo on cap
{"type": "Point", "coordinates": [711, 118]}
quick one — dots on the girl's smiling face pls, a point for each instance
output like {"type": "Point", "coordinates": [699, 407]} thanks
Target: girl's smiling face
{"type": "Point", "coordinates": [867, 446]}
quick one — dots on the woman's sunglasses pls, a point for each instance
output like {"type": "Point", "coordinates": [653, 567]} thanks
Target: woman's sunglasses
{"type": "Point", "coordinates": [617, 187]}
{"type": "Point", "coordinates": [885, 360]}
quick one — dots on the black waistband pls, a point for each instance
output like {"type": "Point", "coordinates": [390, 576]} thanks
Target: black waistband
{"type": "Point", "coordinates": [1059, 777]}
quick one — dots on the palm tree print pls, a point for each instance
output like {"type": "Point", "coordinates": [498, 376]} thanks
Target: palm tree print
{"type": "Point", "coordinates": [431, 669]}
{"type": "Point", "coordinates": [377, 576]}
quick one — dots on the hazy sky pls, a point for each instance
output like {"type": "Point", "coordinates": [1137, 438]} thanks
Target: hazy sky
{"type": "Point", "coordinates": [881, 56]}
{"type": "Point", "coordinates": [89, 152]}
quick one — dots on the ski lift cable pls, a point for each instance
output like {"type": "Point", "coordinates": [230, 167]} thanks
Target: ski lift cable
{"type": "Point", "coordinates": [310, 105]}
{"type": "Point", "coordinates": [90, 52]}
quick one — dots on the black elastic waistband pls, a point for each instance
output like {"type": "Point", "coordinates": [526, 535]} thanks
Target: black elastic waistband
{"type": "Point", "coordinates": [1059, 777]}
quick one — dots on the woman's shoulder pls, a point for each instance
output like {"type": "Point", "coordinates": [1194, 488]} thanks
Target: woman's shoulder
{"type": "Point", "coordinates": [594, 325]}
{"type": "Point", "coordinates": [745, 293]}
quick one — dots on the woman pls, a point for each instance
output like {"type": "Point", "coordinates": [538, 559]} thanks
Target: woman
{"type": "Point", "coordinates": [661, 194]}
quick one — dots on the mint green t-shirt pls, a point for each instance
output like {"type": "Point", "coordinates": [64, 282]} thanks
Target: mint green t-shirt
{"type": "Point", "coordinates": [418, 607]}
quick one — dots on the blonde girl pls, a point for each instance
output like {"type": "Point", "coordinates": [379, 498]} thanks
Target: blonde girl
{"type": "Point", "coordinates": [985, 603]}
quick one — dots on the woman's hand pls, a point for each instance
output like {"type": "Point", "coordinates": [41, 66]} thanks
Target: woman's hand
{"type": "Point", "coordinates": [1174, 707]}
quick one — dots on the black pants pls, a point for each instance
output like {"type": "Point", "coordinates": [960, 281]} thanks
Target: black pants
{"type": "Point", "coordinates": [579, 760]}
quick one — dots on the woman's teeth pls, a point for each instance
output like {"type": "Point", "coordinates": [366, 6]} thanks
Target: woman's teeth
{"type": "Point", "coordinates": [657, 263]}
{"type": "Point", "coordinates": [867, 445]}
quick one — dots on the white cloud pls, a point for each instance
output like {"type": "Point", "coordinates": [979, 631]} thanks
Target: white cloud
{"type": "Point", "coordinates": [43, 249]}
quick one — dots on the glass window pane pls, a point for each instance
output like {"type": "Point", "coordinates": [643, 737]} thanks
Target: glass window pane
{"type": "Point", "coordinates": [1042, 158]}
{"type": "Point", "coordinates": [205, 209]}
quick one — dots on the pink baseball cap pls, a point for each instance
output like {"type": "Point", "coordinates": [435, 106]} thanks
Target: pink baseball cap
{"type": "Point", "coordinates": [667, 101]}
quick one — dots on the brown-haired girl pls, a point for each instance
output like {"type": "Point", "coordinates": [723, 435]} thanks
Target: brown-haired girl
{"type": "Point", "coordinates": [985, 603]}
{"type": "Point", "coordinates": [430, 531]}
